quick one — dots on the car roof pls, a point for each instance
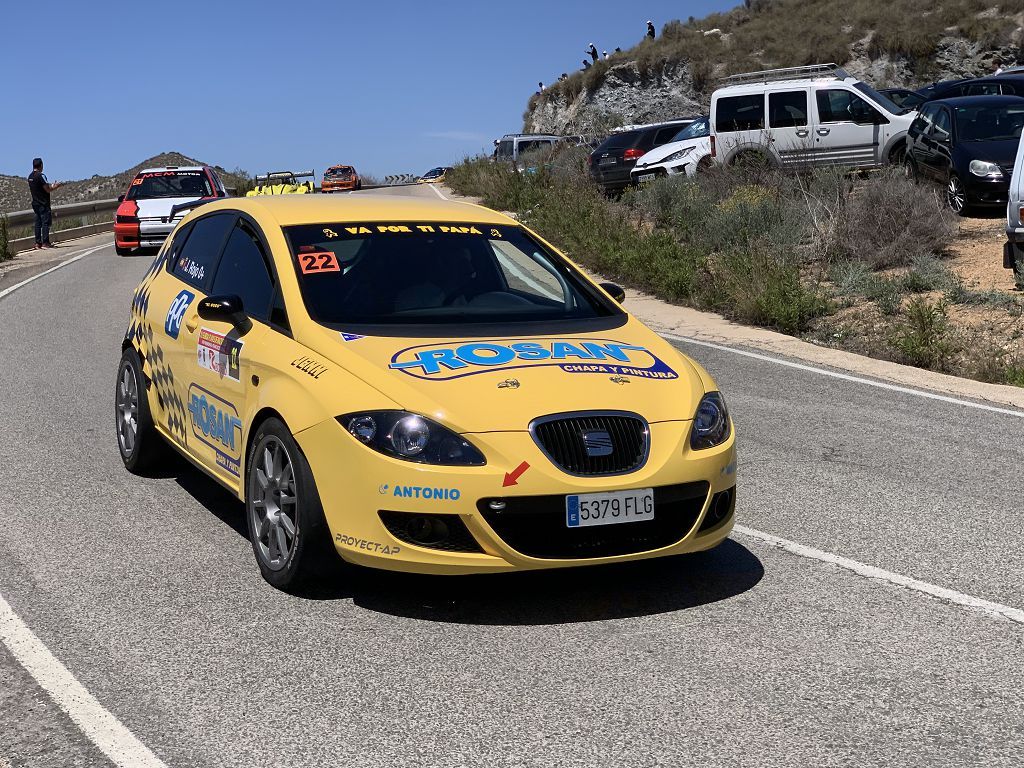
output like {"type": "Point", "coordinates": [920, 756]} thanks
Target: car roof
{"type": "Point", "coordinates": [174, 168]}
{"type": "Point", "coordinates": [289, 210]}
{"type": "Point", "coordinates": [968, 101]}
{"type": "Point", "coordinates": [770, 85]}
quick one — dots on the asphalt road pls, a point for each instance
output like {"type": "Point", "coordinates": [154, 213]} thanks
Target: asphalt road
{"type": "Point", "coordinates": [147, 591]}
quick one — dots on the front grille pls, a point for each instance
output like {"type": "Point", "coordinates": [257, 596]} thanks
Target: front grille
{"type": "Point", "coordinates": [578, 442]}
{"type": "Point", "coordinates": [536, 526]}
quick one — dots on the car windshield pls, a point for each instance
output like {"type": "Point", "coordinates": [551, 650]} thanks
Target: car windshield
{"type": "Point", "coordinates": [410, 273]}
{"type": "Point", "coordinates": [987, 122]}
{"type": "Point", "coordinates": [343, 170]}
{"type": "Point", "coordinates": [697, 129]}
{"type": "Point", "coordinates": [433, 172]}
{"type": "Point", "coordinates": [504, 150]}
{"type": "Point", "coordinates": [883, 101]}
{"type": "Point", "coordinates": [170, 184]}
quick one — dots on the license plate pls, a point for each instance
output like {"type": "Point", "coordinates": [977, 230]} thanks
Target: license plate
{"type": "Point", "coordinates": [645, 177]}
{"type": "Point", "coordinates": [587, 509]}
{"type": "Point", "coordinates": [607, 161]}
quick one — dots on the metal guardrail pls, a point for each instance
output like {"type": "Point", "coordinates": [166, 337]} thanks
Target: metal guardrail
{"type": "Point", "coordinates": [68, 210]}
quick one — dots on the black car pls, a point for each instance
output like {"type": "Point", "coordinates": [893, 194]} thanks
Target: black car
{"type": "Point", "coordinates": [615, 157]}
{"type": "Point", "coordinates": [967, 144]}
{"type": "Point", "coordinates": [903, 97]}
{"type": "Point", "coordinates": [993, 85]}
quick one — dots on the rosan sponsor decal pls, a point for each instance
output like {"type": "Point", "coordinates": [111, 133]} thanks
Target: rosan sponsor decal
{"type": "Point", "coordinates": [438, 362]}
{"type": "Point", "coordinates": [215, 422]}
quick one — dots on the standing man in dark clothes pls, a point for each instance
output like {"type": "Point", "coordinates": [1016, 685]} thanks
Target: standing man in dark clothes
{"type": "Point", "coordinates": [592, 50]}
{"type": "Point", "coordinates": [41, 189]}
{"type": "Point", "coordinates": [650, 29]}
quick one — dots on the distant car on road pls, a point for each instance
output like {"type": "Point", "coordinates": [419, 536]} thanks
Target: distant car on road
{"type": "Point", "coordinates": [967, 144]}
{"type": "Point", "coordinates": [283, 183]}
{"type": "Point", "coordinates": [340, 178]}
{"type": "Point", "coordinates": [612, 161]}
{"type": "Point", "coordinates": [434, 175]}
{"type": "Point", "coordinates": [417, 385]}
{"type": "Point", "coordinates": [903, 97]}
{"type": "Point", "coordinates": [143, 218]}
{"type": "Point", "coordinates": [689, 150]}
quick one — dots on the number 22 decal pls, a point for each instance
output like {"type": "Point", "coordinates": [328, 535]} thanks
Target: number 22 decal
{"type": "Point", "coordinates": [320, 261]}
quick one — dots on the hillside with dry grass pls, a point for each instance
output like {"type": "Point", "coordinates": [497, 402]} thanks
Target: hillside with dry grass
{"type": "Point", "coordinates": [14, 194]}
{"type": "Point", "coordinates": [886, 42]}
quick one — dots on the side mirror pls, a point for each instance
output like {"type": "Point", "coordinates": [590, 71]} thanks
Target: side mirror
{"type": "Point", "coordinates": [225, 309]}
{"type": "Point", "coordinates": [120, 198]}
{"type": "Point", "coordinates": [613, 290]}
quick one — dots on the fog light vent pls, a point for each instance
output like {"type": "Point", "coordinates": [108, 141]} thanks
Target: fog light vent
{"type": "Point", "coordinates": [443, 532]}
{"type": "Point", "coordinates": [721, 508]}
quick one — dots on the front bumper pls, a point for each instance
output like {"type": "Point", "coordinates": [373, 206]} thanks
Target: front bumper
{"type": "Point", "coordinates": [357, 485]}
{"type": "Point", "coordinates": [337, 186]}
{"type": "Point", "coordinates": [983, 191]}
{"type": "Point", "coordinates": [147, 233]}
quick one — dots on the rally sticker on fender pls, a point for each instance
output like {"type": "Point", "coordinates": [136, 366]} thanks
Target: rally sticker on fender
{"type": "Point", "coordinates": [216, 352]}
{"type": "Point", "coordinates": [441, 362]}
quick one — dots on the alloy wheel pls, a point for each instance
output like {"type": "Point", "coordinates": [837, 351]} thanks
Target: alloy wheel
{"type": "Point", "coordinates": [272, 504]}
{"type": "Point", "coordinates": [956, 196]}
{"type": "Point", "coordinates": [127, 410]}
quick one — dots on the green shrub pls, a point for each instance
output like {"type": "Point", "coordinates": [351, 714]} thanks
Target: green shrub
{"type": "Point", "coordinates": [5, 240]}
{"type": "Point", "coordinates": [923, 339]}
{"type": "Point", "coordinates": [927, 274]}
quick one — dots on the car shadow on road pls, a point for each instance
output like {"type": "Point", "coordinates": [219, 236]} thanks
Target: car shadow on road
{"type": "Point", "coordinates": [561, 596]}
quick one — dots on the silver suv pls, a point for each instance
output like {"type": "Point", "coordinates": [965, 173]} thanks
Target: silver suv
{"type": "Point", "coordinates": [814, 115]}
{"type": "Point", "coordinates": [512, 146]}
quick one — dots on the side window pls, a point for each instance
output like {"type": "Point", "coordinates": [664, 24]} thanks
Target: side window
{"type": "Point", "coordinates": [982, 89]}
{"type": "Point", "coordinates": [740, 113]}
{"type": "Point", "coordinates": [665, 135]}
{"type": "Point", "coordinates": [943, 125]}
{"type": "Point", "coordinates": [836, 105]}
{"type": "Point", "coordinates": [195, 262]}
{"type": "Point", "coordinates": [243, 271]}
{"type": "Point", "coordinates": [787, 109]}
{"type": "Point", "coordinates": [923, 122]}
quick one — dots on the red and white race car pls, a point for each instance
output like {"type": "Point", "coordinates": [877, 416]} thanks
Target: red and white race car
{"type": "Point", "coordinates": [144, 218]}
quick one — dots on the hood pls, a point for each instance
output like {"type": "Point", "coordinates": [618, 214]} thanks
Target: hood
{"type": "Point", "coordinates": [160, 207]}
{"type": "Point", "coordinates": [658, 154]}
{"type": "Point", "coordinates": [1002, 153]}
{"type": "Point", "coordinates": [502, 383]}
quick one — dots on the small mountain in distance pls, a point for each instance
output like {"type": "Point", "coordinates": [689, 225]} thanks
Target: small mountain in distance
{"type": "Point", "coordinates": [14, 194]}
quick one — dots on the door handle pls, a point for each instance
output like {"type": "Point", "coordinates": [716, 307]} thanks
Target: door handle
{"type": "Point", "coordinates": [192, 323]}
{"type": "Point", "coordinates": [802, 133]}
{"type": "Point", "coordinates": [823, 131]}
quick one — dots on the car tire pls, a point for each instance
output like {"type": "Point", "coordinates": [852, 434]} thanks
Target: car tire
{"type": "Point", "coordinates": [138, 442]}
{"type": "Point", "coordinates": [909, 169]}
{"type": "Point", "coordinates": [122, 251]}
{"type": "Point", "coordinates": [898, 154]}
{"type": "Point", "coordinates": [704, 164]}
{"type": "Point", "coordinates": [956, 196]}
{"type": "Point", "coordinates": [283, 511]}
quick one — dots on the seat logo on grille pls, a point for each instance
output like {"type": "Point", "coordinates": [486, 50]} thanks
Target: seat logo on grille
{"type": "Point", "coordinates": [597, 442]}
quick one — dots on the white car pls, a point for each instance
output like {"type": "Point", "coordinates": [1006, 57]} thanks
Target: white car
{"type": "Point", "coordinates": [1013, 249]}
{"type": "Point", "coordinates": [144, 216]}
{"type": "Point", "coordinates": [806, 116]}
{"type": "Point", "coordinates": [688, 152]}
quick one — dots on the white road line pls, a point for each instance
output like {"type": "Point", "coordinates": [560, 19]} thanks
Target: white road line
{"type": "Point", "coordinates": [849, 377]}
{"type": "Point", "coordinates": [72, 260]}
{"type": "Point", "coordinates": [437, 191]}
{"type": "Point", "coordinates": [997, 610]}
{"type": "Point", "coordinates": [100, 726]}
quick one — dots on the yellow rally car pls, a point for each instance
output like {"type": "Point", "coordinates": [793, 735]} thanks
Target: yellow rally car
{"type": "Point", "coordinates": [417, 385]}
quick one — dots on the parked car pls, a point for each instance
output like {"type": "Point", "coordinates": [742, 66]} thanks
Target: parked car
{"type": "Point", "coordinates": [283, 183]}
{"type": "Point", "coordinates": [434, 175]}
{"type": "Point", "coordinates": [512, 146]}
{"type": "Point", "coordinates": [903, 97]}
{"type": "Point", "coordinates": [613, 160]}
{"type": "Point", "coordinates": [1011, 84]}
{"type": "Point", "coordinates": [1013, 250]}
{"type": "Point", "coordinates": [968, 145]}
{"type": "Point", "coordinates": [688, 152]}
{"type": "Point", "coordinates": [145, 215]}
{"type": "Point", "coordinates": [813, 115]}
{"type": "Point", "coordinates": [340, 178]}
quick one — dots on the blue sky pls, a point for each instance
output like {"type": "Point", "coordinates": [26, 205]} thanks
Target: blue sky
{"type": "Point", "coordinates": [95, 87]}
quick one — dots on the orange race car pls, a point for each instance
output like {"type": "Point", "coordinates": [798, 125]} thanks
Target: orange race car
{"type": "Point", "coordinates": [340, 178]}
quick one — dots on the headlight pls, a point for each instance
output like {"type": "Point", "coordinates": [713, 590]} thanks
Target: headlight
{"type": "Point", "coordinates": [677, 155]}
{"type": "Point", "coordinates": [409, 436]}
{"type": "Point", "coordinates": [985, 168]}
{"type": "Point", "coordinates": [711, 422]}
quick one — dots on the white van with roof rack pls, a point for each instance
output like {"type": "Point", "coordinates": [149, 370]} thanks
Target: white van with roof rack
{"type": "Point", "coordinates": [806, 116]}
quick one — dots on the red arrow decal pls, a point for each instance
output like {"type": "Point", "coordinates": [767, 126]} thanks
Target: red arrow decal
{"type": "Point", "coordinates": [512, 478]}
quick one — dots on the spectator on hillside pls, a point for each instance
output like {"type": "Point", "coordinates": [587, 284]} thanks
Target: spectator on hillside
{"type": "Point", "coordinates": [592, 50]}
{"type": "Point", "coordinates": [997, 63]}
{"type": "Point", "coordinates": [617, 50]}
{"type": "Point", "coordinates": [565, 76]}
{"type": "Point", "coordinates": [604, 55]}
{"type": "Point", "coordinates": [540, 88]}
{"type": "Point", "coordinates": [650, 29]}
{"type": "Point", "coordinates": [41, 188]}
{"type": "Point", "coordinates": [586, 64]}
